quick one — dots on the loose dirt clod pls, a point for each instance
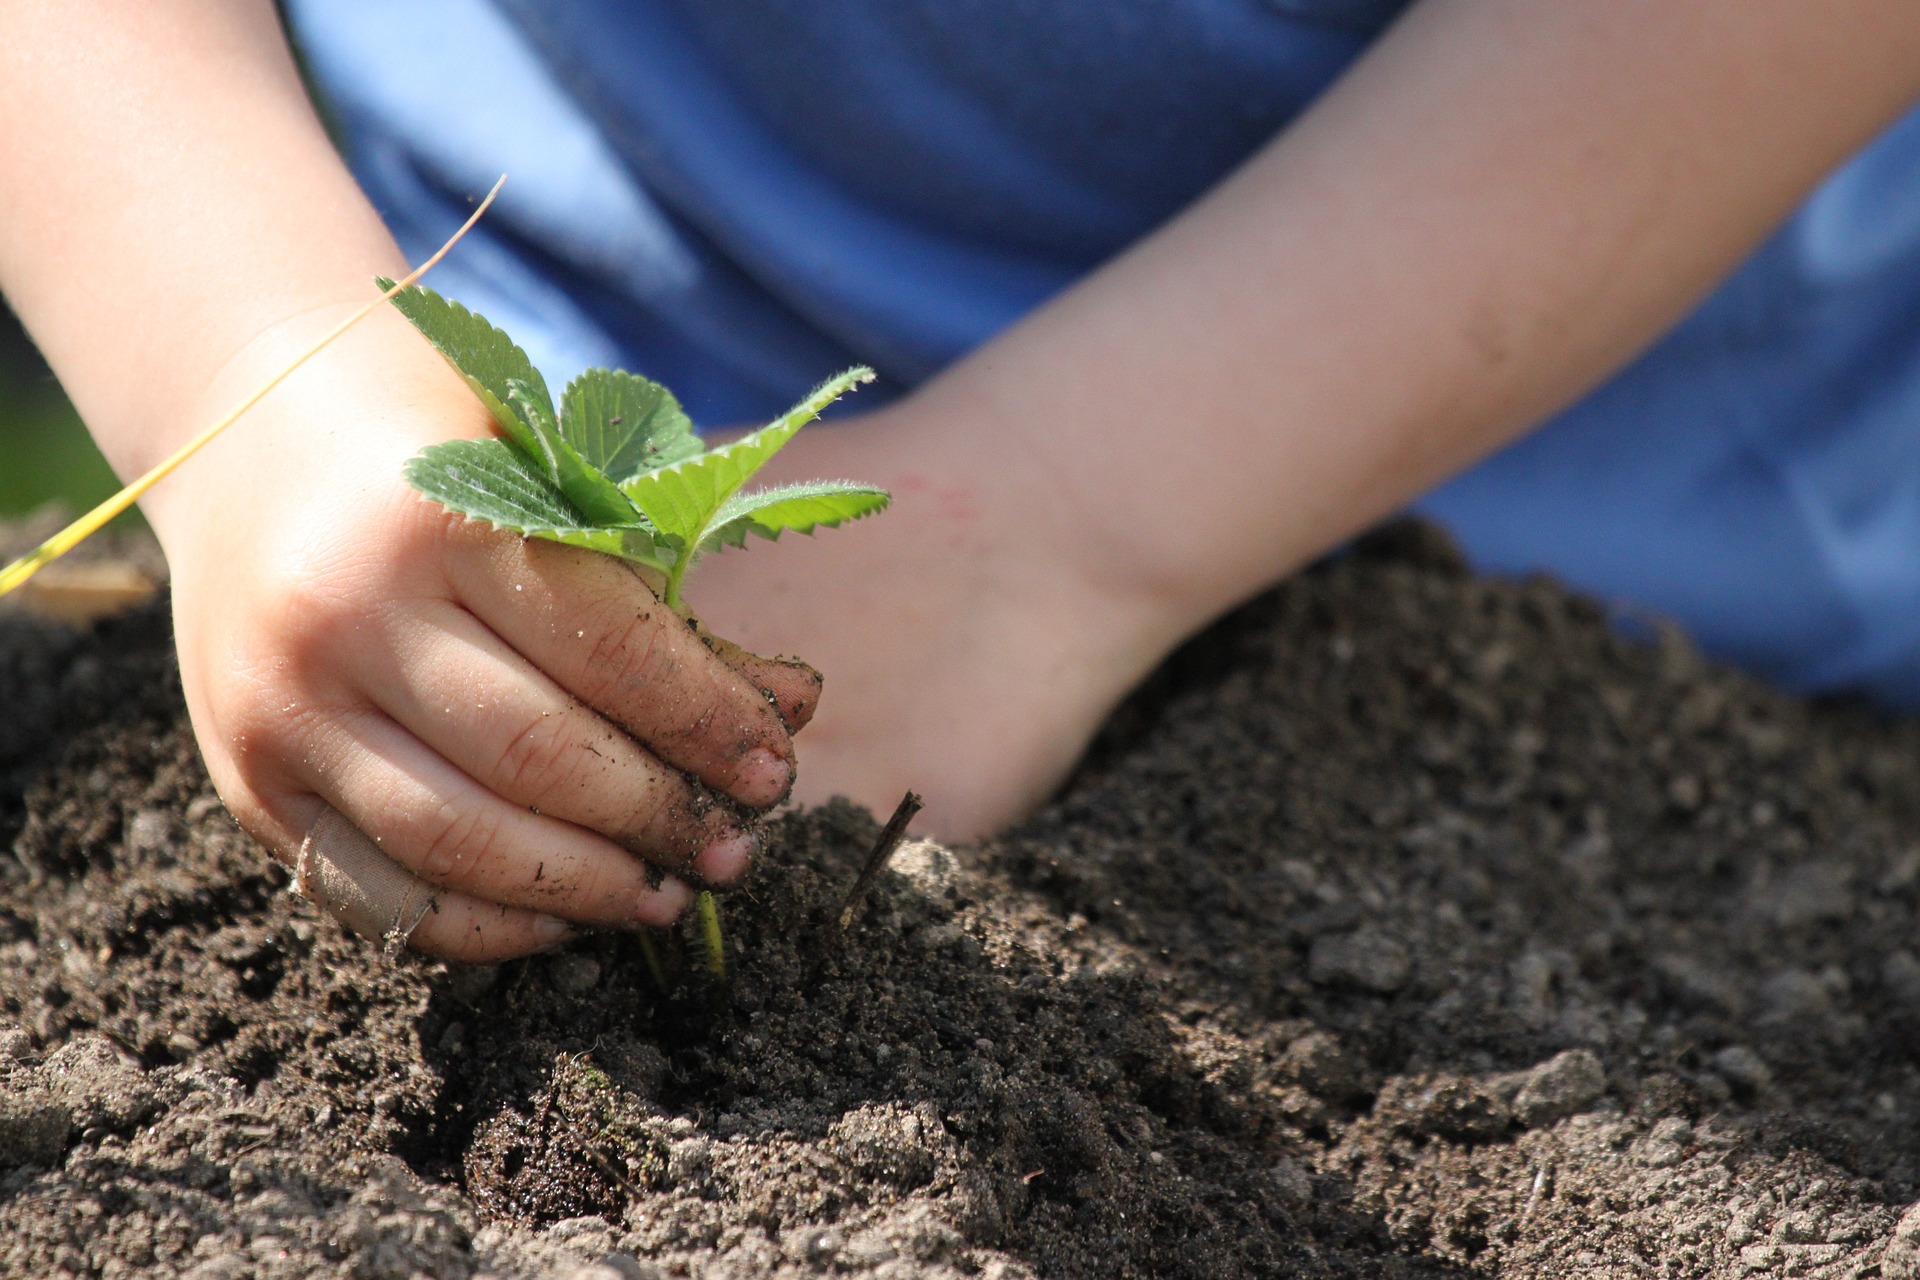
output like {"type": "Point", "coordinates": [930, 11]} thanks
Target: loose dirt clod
{"type": "Point", "coordinates": [1407, 924]}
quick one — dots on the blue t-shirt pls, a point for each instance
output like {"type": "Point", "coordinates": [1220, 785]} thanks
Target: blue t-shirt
{"type": "Point", "coordinates": [739, 197]}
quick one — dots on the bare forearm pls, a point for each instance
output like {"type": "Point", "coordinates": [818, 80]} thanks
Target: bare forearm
{"type": "Point", "coordinates": [166, 194]}
{"type": "Point", "coordinates": [1503, 203]}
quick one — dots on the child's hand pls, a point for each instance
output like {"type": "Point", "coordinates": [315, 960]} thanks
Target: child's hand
{"type": "Point", "coordinates": [508, 719]}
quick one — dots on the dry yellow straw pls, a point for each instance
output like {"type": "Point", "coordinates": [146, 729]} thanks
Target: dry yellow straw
{"type": "Point", "coordinates": [77, 532]}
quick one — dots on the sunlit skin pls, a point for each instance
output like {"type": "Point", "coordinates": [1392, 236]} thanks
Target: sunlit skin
{"type": "Point", "coordinates": [1499, 205]}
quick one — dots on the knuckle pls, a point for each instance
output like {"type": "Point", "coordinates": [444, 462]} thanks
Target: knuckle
{"type": "Point", "coordinates": [686, 702]}
{"type": "Point", "coordinates": [662, 821]}
{"type": "Point", "coordinates": [592, 890]}
{"type": "Point", "coordinates": [649, 824]}
{"type": "Point", "coordinates": [537, 762]}
{"type": "Point", "coordinates": [458, 840]}
{"type": "Point", "coordinates": [637, 668]}
{"type": "Point", "coordinates": [692, 719]}
{"type": "Point", "coordinates": [628, 652]}
{"type": "Point", "coordinates": [310, 616]}
{"type": "Point", "coordinates": [241, 708]}
{"type": "Point", "coordinates": [500, 549]}
{"type": "Point", "coordinates": [263, 726]}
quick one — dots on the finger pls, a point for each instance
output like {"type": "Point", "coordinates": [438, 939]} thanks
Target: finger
{"type": "Point", "coordinates": [789, 685]}
{"type": "Point", "coordinates": [347, 876]}
{"type": "Point", "coordinates": [594, 627]}
{"type": "Point", "coordinates": [459, 689]}
{"type": "Point", "coordinates": [438, 823]}
{"type": "Point", "coordinates": [460, 927]}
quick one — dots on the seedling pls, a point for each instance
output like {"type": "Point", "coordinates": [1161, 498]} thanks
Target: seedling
{"type": "Point", "coordinates": [616, 468]}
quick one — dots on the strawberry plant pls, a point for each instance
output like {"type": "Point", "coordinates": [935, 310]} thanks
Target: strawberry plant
{"type": "Point", "coordinates": [616, 467]}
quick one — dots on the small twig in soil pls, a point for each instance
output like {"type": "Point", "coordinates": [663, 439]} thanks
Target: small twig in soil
{"type": "Point", "coordinates": [1540, 1177]}
{"type": "Point", "coordinates": [883, 849]}
{"type": "Point", "coordinates": [612, 1171]}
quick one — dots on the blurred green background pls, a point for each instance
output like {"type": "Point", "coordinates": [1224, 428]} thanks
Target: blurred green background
{"type": "Point", "coordinates": [45, 453]}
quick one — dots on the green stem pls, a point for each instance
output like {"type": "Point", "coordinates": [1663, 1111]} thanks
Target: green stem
{"type": "Point", "coordinates": [709, 909]}
{"type": "Point", "coordinates": [675, 576]}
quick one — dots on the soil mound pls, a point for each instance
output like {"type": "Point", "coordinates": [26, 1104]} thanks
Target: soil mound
{"type": "Point", "coordinates": [1407, 923]}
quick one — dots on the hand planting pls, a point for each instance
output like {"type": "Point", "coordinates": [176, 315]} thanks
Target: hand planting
{"type": "Point", "coordinates": [616, 468]}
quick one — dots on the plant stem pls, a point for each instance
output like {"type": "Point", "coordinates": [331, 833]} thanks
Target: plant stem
{"type": "Point", "coordinates": [709, 909]}
{"type": "Point", "coordinates": [676, 576]}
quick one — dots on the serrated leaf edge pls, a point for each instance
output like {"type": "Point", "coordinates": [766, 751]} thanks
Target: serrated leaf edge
{"type": "Point", "coordinates": [635, 542]}
{"type": "Point", "coordinates": [716, 538]}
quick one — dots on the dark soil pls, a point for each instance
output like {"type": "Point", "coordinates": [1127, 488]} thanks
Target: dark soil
{"type": "Point", "coordinates": [1407, 924]}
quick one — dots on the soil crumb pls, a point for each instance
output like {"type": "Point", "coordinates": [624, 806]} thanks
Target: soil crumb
{"type": "Point", "coordinates": [1407, 923]}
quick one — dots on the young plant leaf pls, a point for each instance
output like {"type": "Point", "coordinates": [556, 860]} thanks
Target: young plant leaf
{"type": "Point", "coordinates": [597, 497]}
{"type": "Point", "coordinates": [494, 481]}
{"type": "Point", "coordinates": [540, 436]}
{"type": "Point", "coordinates": [800, 507]}
{"type": "Point", "coordinates": [480, 353]}
{"type": "Point", "coordinates": [620, 470]}
{"type": "Point", "coordinates": [516, 395]}
{"type": "Point", "coordinates": [681, 500]}
{"type": "Point", "coordinates": [624, 424]}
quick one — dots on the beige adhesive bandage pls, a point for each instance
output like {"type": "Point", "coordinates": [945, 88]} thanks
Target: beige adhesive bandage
{"type": "Point", "coordinates": [345, 873]}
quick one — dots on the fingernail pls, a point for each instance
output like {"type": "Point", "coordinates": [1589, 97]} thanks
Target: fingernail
{"type": "Point", "coordinates": [660, 907]}
{"type": "Point", "coordinates": [725, 858]}
{"type": "Point", "coordinates": [763, 778]}
{"type": "Point", "coordinates": [552, 931]}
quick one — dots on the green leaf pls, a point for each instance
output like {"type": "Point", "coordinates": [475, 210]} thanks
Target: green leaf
{"type": "Point", "coordinates": [480, 353]}
{"type": "Point", "coordinates": [540, 436]}
{"type": "Point", "coordinates": [800, 507]}
{"type": "Point", "coordinates": [597, 497]}
{"type": "Point", "coordinates": [681, 500]}
{"type": "Point", "coordinates": [625, 424]}
{"type": "Point", "coordinates": [491, 480]}
{"type": "Point", "coordinates": [621, 470]}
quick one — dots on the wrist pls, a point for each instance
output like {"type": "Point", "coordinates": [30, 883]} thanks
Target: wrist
{"type": "Point", "coordinates": [348, 418]}
{"type": "Point", "coordinates": [1048, 530]}
{"type": "Point", "coordinates": [202, 386]}
{"type": "Point", "coordinates": [978, 503]}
